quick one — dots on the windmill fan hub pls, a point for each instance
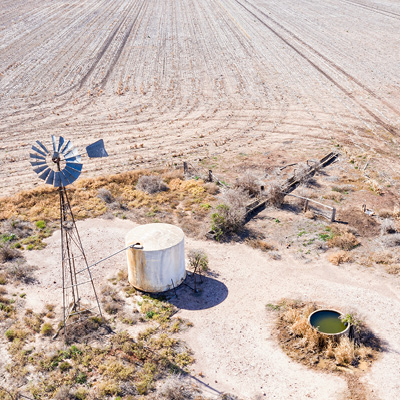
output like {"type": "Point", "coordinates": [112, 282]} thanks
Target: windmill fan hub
{"type": "Point", "coordinates": [56, 158]}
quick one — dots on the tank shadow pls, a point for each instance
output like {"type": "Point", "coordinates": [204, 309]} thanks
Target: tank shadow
{"type": "Point", "coordinates": [209, 293]}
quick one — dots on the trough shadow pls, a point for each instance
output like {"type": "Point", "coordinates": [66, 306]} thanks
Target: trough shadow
{"type": "Point", "coordinates": [210, 292]}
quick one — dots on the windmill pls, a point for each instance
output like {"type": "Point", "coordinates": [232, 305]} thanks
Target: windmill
{"type": "Point", "coordinates": [61, 167]}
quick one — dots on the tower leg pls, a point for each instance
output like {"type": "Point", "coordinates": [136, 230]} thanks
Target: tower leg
{"type": "Point", "coordinates": [76, 286]}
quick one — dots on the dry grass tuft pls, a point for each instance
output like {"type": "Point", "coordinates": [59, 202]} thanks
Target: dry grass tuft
{"type": "Point", "coordinates": [391, 240]}
{"type": "Point", "coordinates": [212, 188]}
{"type": "Point", "coordinates": [345, 241]}
{"type": "Point", "coordinates": [335, 196]}
{"type": "Point", "coordinates": [7, 253]}
{"type": "Point", "coordinates": [383, 257]}
{"type": "Point", "coordinates": [274, 194]}
{"type": "Point", "coordinates": [385, 213]}
{"type": "Point", "coordinates": [151, 184]}
{"type": "Point", "coordinates": [106, 196]}
{"type": "Point", "coordinates": [249, 183]}
{"type": "Point", "coordinates": [393, 269]}
{"type": "Point", "coordinates": [170, 174]}
{"type": "Point", "coordinates": [309, 214]}
{"type": "Point", "coordinates": [340, 257]}
{"type": "Point", "coordinates": [260, 244]}
{"type": "Point", "coordinates": [344, 351]}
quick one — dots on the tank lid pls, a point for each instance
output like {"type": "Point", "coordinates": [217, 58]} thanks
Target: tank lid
{"type": "Point", "coordinates": [155, 237]}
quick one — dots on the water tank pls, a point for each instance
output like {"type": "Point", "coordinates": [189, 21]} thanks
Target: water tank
{"type": "Point", "coordinates": [160, 263]}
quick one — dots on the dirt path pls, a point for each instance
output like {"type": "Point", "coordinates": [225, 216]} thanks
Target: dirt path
{"type": "Point", "coordinates": [232, 336]}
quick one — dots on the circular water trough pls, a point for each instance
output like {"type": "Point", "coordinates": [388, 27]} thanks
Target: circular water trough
{"type": "Point", "coordinates": [328, 322]}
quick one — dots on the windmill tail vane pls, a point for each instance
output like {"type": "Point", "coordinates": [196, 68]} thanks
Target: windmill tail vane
{"type": "Point", "coordinates": [59, 167]}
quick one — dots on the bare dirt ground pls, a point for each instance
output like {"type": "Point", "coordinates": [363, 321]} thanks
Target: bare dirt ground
{"type": "Point", "coordinates": [167, 81]}
{"type": "Point", "coordinates": [233, 333]}
{"type": "Point", "coordinates": [163, 81]}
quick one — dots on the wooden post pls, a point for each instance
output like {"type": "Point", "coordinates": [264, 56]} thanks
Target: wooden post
{"type": "Point", "coordinates": [306, 205]}
{"type": "Point", "coordinates": [185, 168]}
{"type": "Point", "coordinates": [210, 176]}
{"type": "Point", "coordinates": [333, 214]}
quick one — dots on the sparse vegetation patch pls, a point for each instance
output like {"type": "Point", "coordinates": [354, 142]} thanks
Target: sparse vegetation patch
{"type": "Point", "coordinates": [304, 344]}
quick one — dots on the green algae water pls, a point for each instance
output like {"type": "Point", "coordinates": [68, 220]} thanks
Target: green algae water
{"type": "Point", "coordinates": [327, 321]}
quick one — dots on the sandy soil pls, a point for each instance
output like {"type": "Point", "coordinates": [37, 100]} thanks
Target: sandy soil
{"type": "Point", "coordinates": [233, 333]}
{"type": "Point", "coordinates": [163, 81]}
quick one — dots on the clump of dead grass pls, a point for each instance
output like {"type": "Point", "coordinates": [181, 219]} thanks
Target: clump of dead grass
{"type": "Point", "coordinates": [340, 257]}
{"type": "Point", "coordinates": [151, 184]}
{"type": "Point", "coordinates": [393, 269]}
{"type": "Point", "coordinates": [8, 253]}
{"type": "Point", "coordinates": [105, 195]}
{"type": "Point", "coordinates": [342, 238]}
{"type": "Point", "coordinates": [249, 183]}
{"type": "Point", "coordinates": [260, 244]}
{"type": "Point", "coordinates": [391, 240]}
{"type": "Point", "coordinates": [274, 193]}
{"type": "Point", "coordinates": [211, 188]}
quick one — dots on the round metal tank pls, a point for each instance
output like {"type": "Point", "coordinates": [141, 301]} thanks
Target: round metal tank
{"type": "Point", "coordinates": [160, 264]}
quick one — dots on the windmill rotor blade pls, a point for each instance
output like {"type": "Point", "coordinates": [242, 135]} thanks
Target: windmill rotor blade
{"type": "Point", "coordinates": [66, 147]}
{"type": "Point", "coordinates": [71, 177]}
{"type": "Point", "coordinates": [57, 179]}
{"type": "Point", "coordinates": [37, 163]}
{"type": "Point", "coordinates": [37, 157]}
{"type": "Point", "coordinates": [45, 174]}
{"type": "Point", "coordinates": [53, 139]}
{"type": "Point", "coordinates": [96, 149]}
{"type": "Point", "coordinates": [72, 172]}
{"type": "Point", "coordinates": [75, 166]}
{"type": "Point", "coordinates": [64, 180]}
{"type": "Point", "coordinates": [43, 147]}
{"type": "Point", "coordinates": [38, 170]}
{"type": "Point", "coordinates": [39, 151]}
{"type": "Point", "coordinates": [50, 178]}
{"type": "Point", "coordinates": [72, 153]}
{"type": "Point", "coordinates": [60, 143]}
{"type": "Point", "coordinates": [74, 159]}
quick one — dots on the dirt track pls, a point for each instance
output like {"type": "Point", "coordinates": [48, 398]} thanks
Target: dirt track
{"type": "Point", "coordinates": [162, 80]}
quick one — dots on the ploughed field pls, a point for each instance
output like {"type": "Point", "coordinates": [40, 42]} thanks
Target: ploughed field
{"type": "Point", "coordinates": [161, 81]}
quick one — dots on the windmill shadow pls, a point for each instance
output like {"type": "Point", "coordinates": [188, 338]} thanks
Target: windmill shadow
{"type": "Point", "coordinates": [210, 292]}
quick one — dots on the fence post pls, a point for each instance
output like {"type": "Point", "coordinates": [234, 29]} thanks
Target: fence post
{"type": "Point", "coordinates": [306, 205]}
{"type": "Point", "coordinates": [185, 168]}
{"type": "Point", "coordinates": [210, 176]}
{"type": "Point", "coordinates": [333, 214]}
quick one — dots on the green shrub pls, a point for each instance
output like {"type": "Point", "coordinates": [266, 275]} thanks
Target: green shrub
{"type": "Point", "coordinates": [65, 366]}
{"type": "Point", "coordinates": [47, 329]}
{"type": "Point", "coordinates": [10, 334]}
{"type": "Point", "coordinates": [81, 378]}
{"type": "Point", "coordinates": [40, 224]}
